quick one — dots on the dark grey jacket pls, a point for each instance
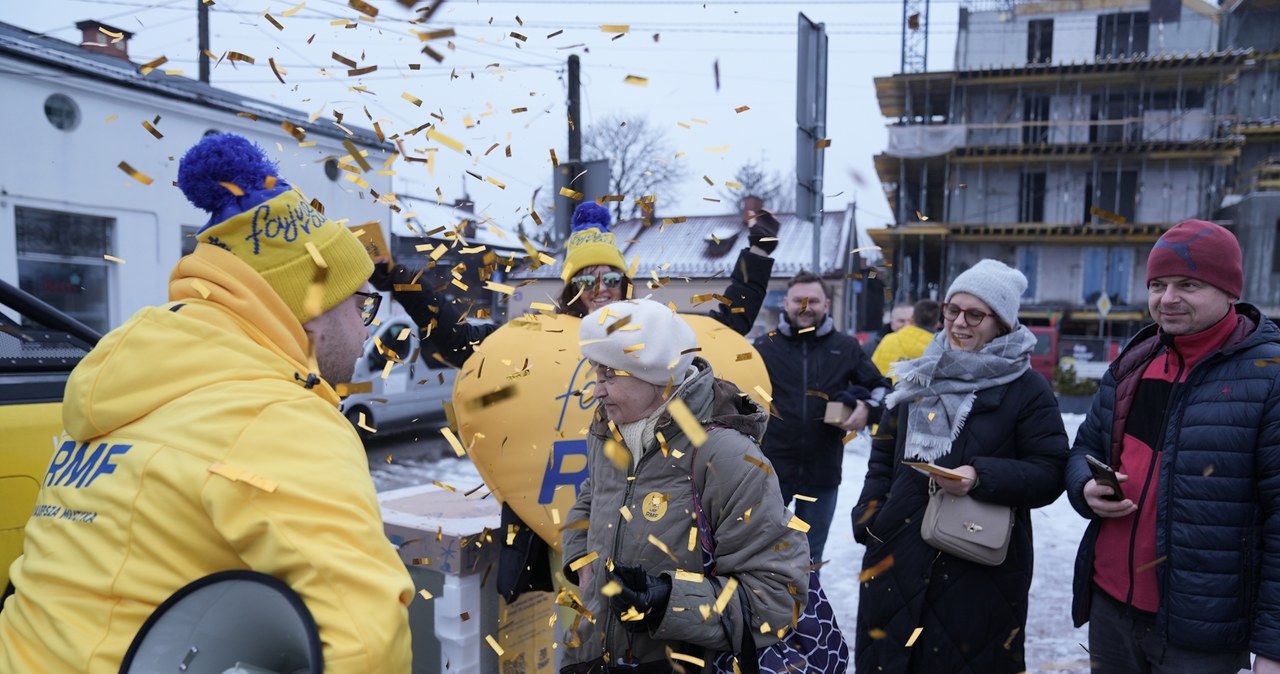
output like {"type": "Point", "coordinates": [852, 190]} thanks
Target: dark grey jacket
{"type": "Point", "coordinates": [741, 500]}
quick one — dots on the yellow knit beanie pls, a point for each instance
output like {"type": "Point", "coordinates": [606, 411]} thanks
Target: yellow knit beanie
{"type": "Point", "coordinates": [260, 219]}
{"type": "Point", "coordinates": [591, 242]}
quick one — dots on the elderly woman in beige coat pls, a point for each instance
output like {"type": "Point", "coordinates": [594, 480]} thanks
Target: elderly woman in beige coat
{"type": "Point", "coordinates": [627, 539]}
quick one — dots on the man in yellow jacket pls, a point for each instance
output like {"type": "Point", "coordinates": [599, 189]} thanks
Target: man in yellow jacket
{"type": "Point", "coordinates": [908, 342]}
{"type": "Point", "coordinates": [204, 436]}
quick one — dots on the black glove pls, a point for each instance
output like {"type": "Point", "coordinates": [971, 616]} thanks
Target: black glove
{"type": "Point", "coordinates": [385, 276]}
{"type": "Point", "coordinates": [648, 594]}
{"type": "Point", "coordinates": [765, 227]}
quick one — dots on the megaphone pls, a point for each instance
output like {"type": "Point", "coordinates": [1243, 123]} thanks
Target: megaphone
{"type": "Point", "coordinates": [230, 622]}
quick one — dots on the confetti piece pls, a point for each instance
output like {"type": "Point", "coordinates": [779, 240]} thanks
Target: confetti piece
{"type": "Point", "coordinates": [762, 465]}
{"type": "Point", "coordinates": [134, 173]}
{"type": "Point", "coordinates": [584, 560]}
{"type": "Point", "coordinates": [741, 109]}
{"type": "Point", "coordinates": [877, 633]}
{"type": "Point", "coordinates": [767, 398]}
{"type": "Point", "coordinates": [146, 68]}
{"type": "Point", "coordinates": [112, 258]}
{"type": "Point", "coordinates": [717, 149]}
{"type": "Point", "coordinates": [722, 601]}
{"type": "Point", "coordinates": [1151, 563]}
{"type": "Point", "coordinates": [636, 80]}
{"type": "Point", "coordinates": [657, 543]}
{"type": "Point", "coordinates": [617, 454]}
{"type": "Point", "coordinates": [822, 143]}
{"type": "Point", "coordinates": [368, 10]}
{"type": "Point", "coordinates": [798, 524]}
{"type": "Point", "coordinates": [684, 657]}
{"type": "Point", "coordinates": [445, 140]}
{"type": "Point", "coordinates": [615, 28]}
{"type": "Point", "coordinates": [687, 422]}
{"type": "Point", "coordinates": [200, 288]}
{"type": "Point", "coordinates": [915, 634]}
{"type": "Point", "coordinates": [111, 34]}
{"type": "Point", "coordinates": [572, 194]}
{"type": "Point", "coordinates": [882, 565]}
{"type": "Point", "coordinates": [424, 593]}
{"type": "Point", "coordinates": [453, 441]}
{"type": "Point", "coordinates": [237, 56]}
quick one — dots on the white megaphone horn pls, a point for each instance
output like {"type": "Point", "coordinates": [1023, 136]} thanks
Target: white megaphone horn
{"type": "Point", "coordinates": [231, 622]}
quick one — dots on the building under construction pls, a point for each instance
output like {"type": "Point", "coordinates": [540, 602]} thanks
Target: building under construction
{"type": "Point", "coordinates": [1073, 133]}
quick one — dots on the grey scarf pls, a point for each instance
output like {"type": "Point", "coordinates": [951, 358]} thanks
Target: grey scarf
{"type": "Point", "coordinates": [942, 384]}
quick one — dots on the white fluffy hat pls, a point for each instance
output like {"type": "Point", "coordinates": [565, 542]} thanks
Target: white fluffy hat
{"type": "Point", "coordinates": [995, 283]}
{"type": "Point", "coordinates": [642, 337]}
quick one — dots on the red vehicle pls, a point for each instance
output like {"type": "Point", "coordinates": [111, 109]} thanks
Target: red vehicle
{"type": "Point", "coordinates": [1044, 357]}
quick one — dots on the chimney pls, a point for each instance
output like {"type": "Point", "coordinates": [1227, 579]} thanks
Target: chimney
{"type": "Point", "coordinates": [93, 39]}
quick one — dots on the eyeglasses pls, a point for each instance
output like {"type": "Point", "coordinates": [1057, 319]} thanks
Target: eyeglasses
{"type": "Point", "coordinates": [972, 317]}
{"type": "Point", "coordinates": [369, 305]}
{"type": "Point", "coordinates": [586, 282]}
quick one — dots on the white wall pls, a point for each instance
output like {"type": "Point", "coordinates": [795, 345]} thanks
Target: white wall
{"type": "Point", "coordinates": [77, 171]}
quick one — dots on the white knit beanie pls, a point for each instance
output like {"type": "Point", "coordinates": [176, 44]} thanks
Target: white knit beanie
{"type": "Point", "coordinates": [995, 283]}
{"type": "Point", "coordinates": [644, 338]}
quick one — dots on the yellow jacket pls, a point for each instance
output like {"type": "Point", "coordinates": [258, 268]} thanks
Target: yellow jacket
{"type": "Point", "coordinates": [907, 343]}
{"type": "Point", "coordinates": [191, 447]}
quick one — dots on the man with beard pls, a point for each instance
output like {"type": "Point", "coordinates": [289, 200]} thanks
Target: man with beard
{"type": "Point", "coordinates": [810, 363]}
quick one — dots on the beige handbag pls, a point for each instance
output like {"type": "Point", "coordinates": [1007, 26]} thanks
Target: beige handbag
{"type": "Point", "coordinates": [967, 528]}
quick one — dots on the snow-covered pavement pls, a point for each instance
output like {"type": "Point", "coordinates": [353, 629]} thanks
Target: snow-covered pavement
{"type": "Point", "coordinates": [1053, 645]}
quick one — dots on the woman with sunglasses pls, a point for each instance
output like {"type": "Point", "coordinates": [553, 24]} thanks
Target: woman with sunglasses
{"type": "Point", "coordinates": [971, 404]}
{"type": "Point", "coordinates": [594, 276]}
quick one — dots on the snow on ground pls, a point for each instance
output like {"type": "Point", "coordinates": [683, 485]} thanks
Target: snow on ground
{"type": "Point", "coordinates": [1053, 645]}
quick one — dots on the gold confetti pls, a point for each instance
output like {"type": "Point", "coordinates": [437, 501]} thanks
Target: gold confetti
{"type": "Point", "coordinates": [1151, 563]}
{"type": "Point", "coordinates": [882, 565]}
{"type": "Point", "coordinates": [572, 194]}
{"type": "Point", "coordinates": [915, 634]}
{"type": "Point", "coordinates": [615, 28]}
{"type": "Point", "coordinates": [730, 587]}
{"type": "Point", "coordinates": [767, 398]}
{"type": "Point", "coordinates": [798, 524]}
{"type": "Point", "coordinates": [717, 149]}
{"type": "Point", "coordinates": [111, 34]}
{"type": "Point", "coordinates": [877, 633]}
{"type": "Point", "coordinates": [810, 499]}
{"type": "Point", "coordinates": [822, 143]}
{"type": "Point", "coordinates": [424, 593]}
{"type": "Point", "coordinates": [146, 68]}
{"type": "Point", "coordinates": [445, 140]}
{"type": "Point", "coordinates": [626, 513]}
{"type": "Point", "coordinates": [489, 637]}
{"type": "Point", "coordinates": [293, 10]}
{"type": "Point", "coordinates": [112, 258]}
{"type": "Point", "coordinates": [687, 422]}
{"type": "Point", "coordinates": [636, 80]}
{"type": "Point", "coordinates": [200, 288]}
{"type": "Point", "coordinates": [684, 657]}
{"type": "Point", "coordinates": [577, 564]}
{"type": "Point", "coordinates": [741, 109]}
{"type": "Point", "coordinates": [368, 10]}
{"type": "Point", "coordinates": [134, 173]}
{"type": "Point", "coordinates": [617, 454]}
{"type": "Point", "coordinates": [762, 465]}
{"type": "Point", "coordinates": [453, 441]}
{"type": "Point", "coordinates": [233, 188]}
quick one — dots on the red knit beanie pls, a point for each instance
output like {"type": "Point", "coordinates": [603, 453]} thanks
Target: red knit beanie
{"type": "Point", "coordinates": [1200, 250]}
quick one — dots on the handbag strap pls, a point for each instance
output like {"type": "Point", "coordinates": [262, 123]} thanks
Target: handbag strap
{"type": "Point", "coordinates": [706, 538]}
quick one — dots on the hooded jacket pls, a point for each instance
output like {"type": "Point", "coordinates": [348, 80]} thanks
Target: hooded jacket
{"type": "Point", "coordinates": [740, 497]}
{"type": "Point", "coordinates": [1217, 532]}
{"type": "Point", "coordinates": [194, 443]}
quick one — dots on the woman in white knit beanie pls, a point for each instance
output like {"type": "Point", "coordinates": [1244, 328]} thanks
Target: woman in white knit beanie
{"type": "Point", "coordinates": [973, 405]}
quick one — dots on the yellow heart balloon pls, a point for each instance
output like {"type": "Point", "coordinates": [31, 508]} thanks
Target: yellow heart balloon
{"type": "Point", "coordinates": [522, 404]}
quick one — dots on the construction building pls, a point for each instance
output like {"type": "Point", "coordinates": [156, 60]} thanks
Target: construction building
{"type": "Point", "coordinates": [1069, 136]}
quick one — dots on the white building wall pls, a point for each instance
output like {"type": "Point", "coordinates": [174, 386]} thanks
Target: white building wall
{"type": "Point", "coordinates": [1169, 193]}
{"type": "Point", "coordinates": [990, 196]}
{"type": "Point", "coordinates": [76, 171]}
{"type": "Point", "coordinates": [999, 38]}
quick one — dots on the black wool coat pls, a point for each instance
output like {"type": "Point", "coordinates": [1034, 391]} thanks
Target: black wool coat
{"type": "Point", "coordinates": [973, 616]}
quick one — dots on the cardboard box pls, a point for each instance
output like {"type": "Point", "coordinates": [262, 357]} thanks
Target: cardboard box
{"type": "Point", "coordinates": [442, 530]}
{"type": "Point", "coordinates": [837, 413]}
{"type": "Point", "coordinates": [370, 234]}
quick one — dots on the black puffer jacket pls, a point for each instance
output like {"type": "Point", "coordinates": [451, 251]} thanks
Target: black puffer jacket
{"type": "Point", "coordinates": [807, 370]}
{"type": "Point", "coordinates": [1219, 539]}
{"type": "Point", "coordinates": [972, 615]}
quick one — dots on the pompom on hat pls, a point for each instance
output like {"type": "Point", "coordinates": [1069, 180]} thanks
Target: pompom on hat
{"type": "Point", "coordinates": [259, 218]}
{"type": "Point", "coordinates": [643, 338]}
{"type": "Point", "coordinates": [1200, 250]}
{"type": "Point", "coordinates": [590, 242]}
{"type": "Point", "coordinates": [995, 283]}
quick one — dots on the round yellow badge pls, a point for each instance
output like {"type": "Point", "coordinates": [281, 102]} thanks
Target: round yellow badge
{"type": "Point", "coordinates": [655, 506]}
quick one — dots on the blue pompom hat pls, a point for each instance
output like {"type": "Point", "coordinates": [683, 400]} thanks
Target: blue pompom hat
{"type": "Point", "coordinates": [261, 219]}
{"type": "Point", "coordinates": [590, 242]}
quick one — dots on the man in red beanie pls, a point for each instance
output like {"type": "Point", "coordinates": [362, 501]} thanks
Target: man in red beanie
{"type": "Point", "coordinates": [1180, 570]}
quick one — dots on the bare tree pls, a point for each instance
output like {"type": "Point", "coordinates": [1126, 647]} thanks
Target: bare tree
{"type": "Point", "coordinates": [777, 192]}
{"type": "Point", "coordinates": [641, 160]}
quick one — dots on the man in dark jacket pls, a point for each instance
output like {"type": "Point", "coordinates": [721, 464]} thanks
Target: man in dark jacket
{"type": "Point", "coordinates": [1180, 571]}
{"type": "Point", "coordinates": [810, 363]}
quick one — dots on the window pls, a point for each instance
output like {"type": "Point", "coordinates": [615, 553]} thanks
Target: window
{"type": "Point", "coordinates": [1118, 193]}
{"type": "Point", "coordinates": [1040, 41]}
{"type": "Point", "coordinates": [1122, 34]}
{"type": "Point", "coordinates": [1029, 265]}
{"type": "Point", "coordinates": [1116, 118]}
{"type": "Point", "coordinates": [1035, 115]}
{"type": "Point", "coordinates": [62, 112]}
{"type": "Point", "coordinates": [1177, 99]}
{"type": "Point", "coordinates": [60, 261]}
{"type": "Point", "coordinates": [1031, 197]}
{"type": "Point", "coordinates": [1109, 270]}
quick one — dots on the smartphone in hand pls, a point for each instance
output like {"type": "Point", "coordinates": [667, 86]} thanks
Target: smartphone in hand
{"type": "Point", "coordinates": [1106, 476]}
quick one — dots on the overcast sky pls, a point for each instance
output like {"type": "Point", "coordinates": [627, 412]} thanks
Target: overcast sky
{"type": "Point", "coordinates": [488, 74]}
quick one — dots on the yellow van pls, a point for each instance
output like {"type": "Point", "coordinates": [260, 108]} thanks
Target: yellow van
{"type": "Point", "coordinates": [39, 346]}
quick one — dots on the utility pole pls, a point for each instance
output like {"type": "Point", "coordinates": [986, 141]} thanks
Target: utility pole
{"type": "Point", "coordinates": [202, 30]}
{"type": "Point", "coordinates": [572, 165]}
